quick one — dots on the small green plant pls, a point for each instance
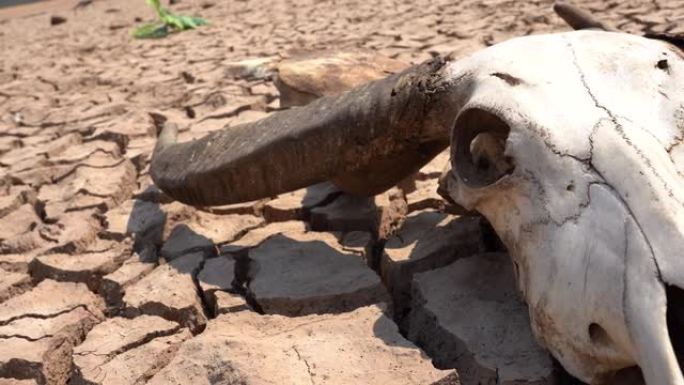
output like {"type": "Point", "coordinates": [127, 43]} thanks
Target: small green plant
{"type": "Point", "coordinates": [168, 22]}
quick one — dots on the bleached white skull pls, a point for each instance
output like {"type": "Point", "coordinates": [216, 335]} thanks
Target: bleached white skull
{"type": "Point", "coordinates": [571, 146]}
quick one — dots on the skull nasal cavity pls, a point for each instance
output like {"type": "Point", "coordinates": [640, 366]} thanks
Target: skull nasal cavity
{"type": "Point", "coordinates": [598, 334]}
{"type": "Point", "coordinates": [478, 148]}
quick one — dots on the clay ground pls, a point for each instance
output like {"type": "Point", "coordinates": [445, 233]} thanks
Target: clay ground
{"type": "Point", "coordinates": [104, 280]}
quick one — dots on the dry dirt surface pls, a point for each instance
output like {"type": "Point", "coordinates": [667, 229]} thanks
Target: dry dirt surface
{"type": "Point", "coordinates": [105, 280]}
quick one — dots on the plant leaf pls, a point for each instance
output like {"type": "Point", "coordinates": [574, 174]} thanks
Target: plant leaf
{"type": "Point", "coordinates": [156, 4]}
{"type": "Point", "coordinates": [168, 21]}
{"type": "Point", "coordinates": [151, 31]}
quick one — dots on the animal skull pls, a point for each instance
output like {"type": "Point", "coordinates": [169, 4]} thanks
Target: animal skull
{"type": "Point", "coordinates": [569, 144]}
{"type": "Point", "coordinates": [587, 192]}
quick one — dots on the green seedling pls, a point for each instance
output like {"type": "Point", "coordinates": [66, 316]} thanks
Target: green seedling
{"type": "Point", "coordinates": [168, 22]}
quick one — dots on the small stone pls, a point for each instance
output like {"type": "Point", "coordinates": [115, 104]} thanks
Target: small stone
{"type": "Point", "coordinates": [468, 316]}
{"type": "Point", "coordinates": [57, 20]}
{"type": "Point", "coordinates": [169, 291]}
{"type": "Point", "coordinates": [427, 240]}
{"type": "Point", "coordinates": [360, 347]}
{"type": "Point", "coordinates": [12, 284]}
{"type": "Point", "coordinates": [303, 273]}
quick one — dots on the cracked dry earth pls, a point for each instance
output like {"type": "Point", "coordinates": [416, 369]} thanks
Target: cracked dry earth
{"type": "Point", "coordinates": [105, 280]}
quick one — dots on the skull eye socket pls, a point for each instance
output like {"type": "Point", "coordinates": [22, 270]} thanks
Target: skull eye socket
{"type": "Point", "coordinates": [478, 146]}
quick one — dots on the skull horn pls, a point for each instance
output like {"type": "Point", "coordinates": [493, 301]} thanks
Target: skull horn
{"type": "Point", "coordinates": [365, 140]}
{"type": "Point", "coordinates": [578, 18]}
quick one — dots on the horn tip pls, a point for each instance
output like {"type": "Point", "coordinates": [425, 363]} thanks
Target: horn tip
{"type": "Point", "coordinates": [167, 136]}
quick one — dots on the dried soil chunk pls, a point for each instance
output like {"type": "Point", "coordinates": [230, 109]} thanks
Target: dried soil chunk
{"type": "Point", "coordinates": [346, 213]}
{"type": "Point", "coordinates": [46, 361]}
{"type": "Point", "coordinates": [87, 267]}
{"type": "Point", "coordinates": [304, 273]}
{"type": "Point", "coordinates": [228, 303]}
{"type": "Point", "coordinates": [435, 167]}
{"type": "Point", "coordinates": [468, 316]}
{"type": "Point", "coordinates": [170, 292]}
{"type": "Point", "coordinates": [12, 381]}
{"type": "Point", "coordinates": [136, 365]}
{"type": "Point", "coordinates": [425, 196]}
{"type": "Point", "coordinates": [257, 68]}
{"type": "Point", "coordinates": [184, 240]}
{"type": "Point", "coordinates": [246, 208]}
{"type": "Point", "coordinates": [50, 147]}
{"type": "Point", "coordinates": [43, 325]}
{"type": "Point", "coordinates": [360, 347]}
{"type": "Point", "coordinates": [87, 149]}
{"type": "Point", "coordinates": [427, 240]}
{"type": "Point", "coordinates": [17, 262]}
{"type": "Point", "coordinates": [74, 323]}
{"type": "Point", "coordinates": [304, 79]}
{"type": "Point", "coordinates": [16, 197]}
{"type": "Point", "coordinates": [13, 283]}
{"type": "Point", "coordinates": [298, 204]}
{"type": "Point", "coordinates": [40, 175]}
{"type": "Point", "coordinates": [90, 187]}
{"type": "Point", "coordinates": [217, 274]}
{"type": "Point", "coordinates": [116, 336]}
{"type": "Point", "coordinates": [113, 285]}
{"type": "Point", "coordinates": [203, 230]}
{"type": "Point", "coordinates": [136, 218]}
{"type": "Point", "coordinates": [49, 298]}
{"type": "Point", "coordinates": [18, 222]}
{"type": "Point", "coordinates": [378, 215]}
{"type": "Point", "coordinates": [73, 232]}
{"type": "Point", "coordinates": [254, 237]}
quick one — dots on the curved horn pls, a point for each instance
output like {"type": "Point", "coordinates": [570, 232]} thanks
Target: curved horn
{"type": "Point", "coordinates": [331, 137]}
{"type": "Point", "coordinates": [578, 18]}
